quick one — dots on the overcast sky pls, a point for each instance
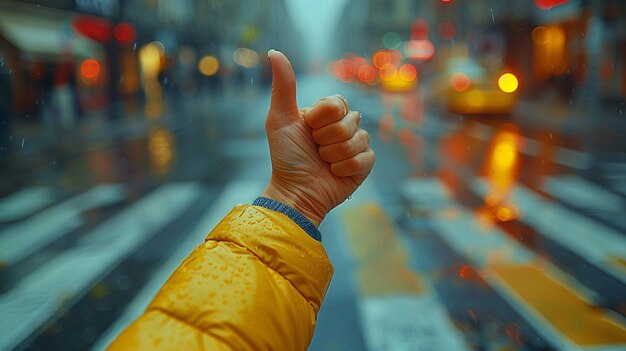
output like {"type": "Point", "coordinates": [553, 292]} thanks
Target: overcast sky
{"type": "Point", "coordinates": [316, 20]}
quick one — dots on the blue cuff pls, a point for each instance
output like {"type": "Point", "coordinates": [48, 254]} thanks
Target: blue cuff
{"type": "Point", "coordinates": [293, 214]}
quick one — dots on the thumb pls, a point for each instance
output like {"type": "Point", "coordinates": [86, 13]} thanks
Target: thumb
{"type": "Point", "coordinates": [283, 106]}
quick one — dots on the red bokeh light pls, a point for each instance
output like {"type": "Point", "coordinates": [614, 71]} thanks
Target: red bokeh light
{"type": "Point", "coordinates": [419, 29]}
{"type": "Point", "coordinates": [366, 73]}
{"type": "Point", "coordinates": [90, 69]}
{"type": "Point", "coordinates": [95, 28]}
{"type": "Point", "coordinates": [344, 70]}
{"type": "Point", "coordinates": [548, 4]}
{"type": "Point", "coordinates": [124, 33]}
{"type": "Point", "coordinates": [460, 82]}
{"type": "Point", "coordinates": [447, 30]}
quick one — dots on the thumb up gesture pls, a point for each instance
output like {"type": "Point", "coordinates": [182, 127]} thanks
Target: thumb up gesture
{"type": "Point", "coordinates": [319, 154]}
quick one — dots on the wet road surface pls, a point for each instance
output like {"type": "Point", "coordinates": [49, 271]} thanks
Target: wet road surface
{"type": "Point", "coordinates": [473, 233]}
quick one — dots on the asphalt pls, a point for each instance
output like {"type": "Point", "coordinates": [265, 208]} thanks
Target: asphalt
{"type": "Point", "coordinates": [424, 257]}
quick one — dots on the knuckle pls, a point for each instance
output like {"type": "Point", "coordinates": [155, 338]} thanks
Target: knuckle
{"type": "Point", "coordinates": [345, 148]}
{"type": "Point", "coordinates": [354, 164]}
{"type": "Point", "coordinates": [364, 137]}
{"type": "Point", "coordinates": [336, 107]}
{"type": "Point", "coordinates": [331, 105]}
{"type": "Point", "coordinates": [343, 132]}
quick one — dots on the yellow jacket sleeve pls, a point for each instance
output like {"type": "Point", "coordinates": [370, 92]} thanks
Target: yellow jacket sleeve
{"type": "Point", "coordinates": [256, 283]}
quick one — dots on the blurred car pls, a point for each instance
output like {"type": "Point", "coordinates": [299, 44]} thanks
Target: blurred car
{"type": "Point", "coordinates": [466, 87]}
{"type": "Point", "coordinates": [398, 79]}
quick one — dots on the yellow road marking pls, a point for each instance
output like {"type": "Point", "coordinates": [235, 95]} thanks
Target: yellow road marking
{"type": "Point", "coordinates": [382, 262]}
{"type": "Point", "coordinates": [557, 301]}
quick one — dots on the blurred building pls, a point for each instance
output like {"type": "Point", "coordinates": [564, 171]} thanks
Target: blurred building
{"type": "Point", "coordinates": [66, 58]}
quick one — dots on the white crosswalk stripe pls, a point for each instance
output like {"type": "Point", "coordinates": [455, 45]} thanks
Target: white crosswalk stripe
{"type": "Point", "coordinates": [25, 202]}
{"type": "Point", "coordinates": [595, 242]}
{"type": "Point", "coordinates": [583, 194]}
{"type": "Point", "coordinates": [63, 279]}
{"type": "Point", "coordinates": [23, 238]}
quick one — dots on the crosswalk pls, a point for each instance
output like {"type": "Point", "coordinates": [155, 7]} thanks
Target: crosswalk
{"type": "Point", "coordinates": [543, 294]}
{"type": "Point", "coordinates": [400, 307]}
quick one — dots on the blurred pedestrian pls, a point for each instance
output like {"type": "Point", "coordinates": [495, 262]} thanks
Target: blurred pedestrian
{"type": "Point", "coordinates": [6, 110]}
{"type": "Point", "coordinates": [65, 95]}
{"type": "Point", "coordinates": [258, 280]}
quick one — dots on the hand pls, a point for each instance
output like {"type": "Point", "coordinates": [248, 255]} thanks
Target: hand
{"type": "Point", "coordinates": [319, 155]}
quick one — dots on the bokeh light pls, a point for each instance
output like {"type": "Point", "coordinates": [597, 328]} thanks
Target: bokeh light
{"type": "Point", "coordinates": [90, 69]}
{"type": "Point", "coordinates": [460, 82]}
{"type": "Point", "coordinates": [388, 72]}
{"type": "Point", "coordinates": [391, 40]}
{"type": "Point", "coordinates": [208, 65]}
{"type": "Point", "coordinates": [421, 49]}
{"type": "Point", "coordinates": [407, 72]}
{"type": "Point", "coordinates": [246, 57]}
{"type": "Point", "coordinates": [447, 31]}
{"type": "Point", "coordinates": [366, 73]}
{"type": "Point", "coordinates": [508, 82]}
{"type": "Point", "coordinates": [124, 33]}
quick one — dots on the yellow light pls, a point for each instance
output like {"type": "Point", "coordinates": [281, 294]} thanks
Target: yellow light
{"type": "Point", "coordinates": [505, 154]}
{"type": "Point", "coordinates": [150, 59]}
{"type": "Point", "coordinates": [506, 214]}
{"type": "Point", "coordinates": [208, 65]}
{"type": "Point", "coordinates": [508, 82]}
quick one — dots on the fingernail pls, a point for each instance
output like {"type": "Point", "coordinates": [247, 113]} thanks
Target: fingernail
{"type": "Point", "coordinates": [343, 98]}
{"type": "Point", "coordinates": [345, 103]}
{"type": "Point", "coordinates": [268, 55]}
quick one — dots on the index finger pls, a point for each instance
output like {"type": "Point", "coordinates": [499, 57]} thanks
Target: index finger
{"type": "Point", "coordinates": [326, 111]}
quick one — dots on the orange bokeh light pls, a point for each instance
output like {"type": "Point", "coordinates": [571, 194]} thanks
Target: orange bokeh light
{"type": "Point", "coordinates": [90, 68]}
{"type": "Point", "coordinates": [388, 72]}
{"type": "Point", "coordinates": [407, 72]}
{"type": "Point", "coordinates": [381, 58]}
{"type": "Point", "coordinates": [460, 82]}
{"type": "Point", "coordinates": [366, 73]}
{"type": "Point", "coordinates": [465, 272]}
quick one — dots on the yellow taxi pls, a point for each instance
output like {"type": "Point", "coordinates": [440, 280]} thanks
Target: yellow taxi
{"type": "Point", "coordinates": [469, 88]}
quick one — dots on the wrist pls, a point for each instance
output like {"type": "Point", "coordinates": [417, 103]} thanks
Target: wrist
{"type": "Point", "coordinates": [294, 201]}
